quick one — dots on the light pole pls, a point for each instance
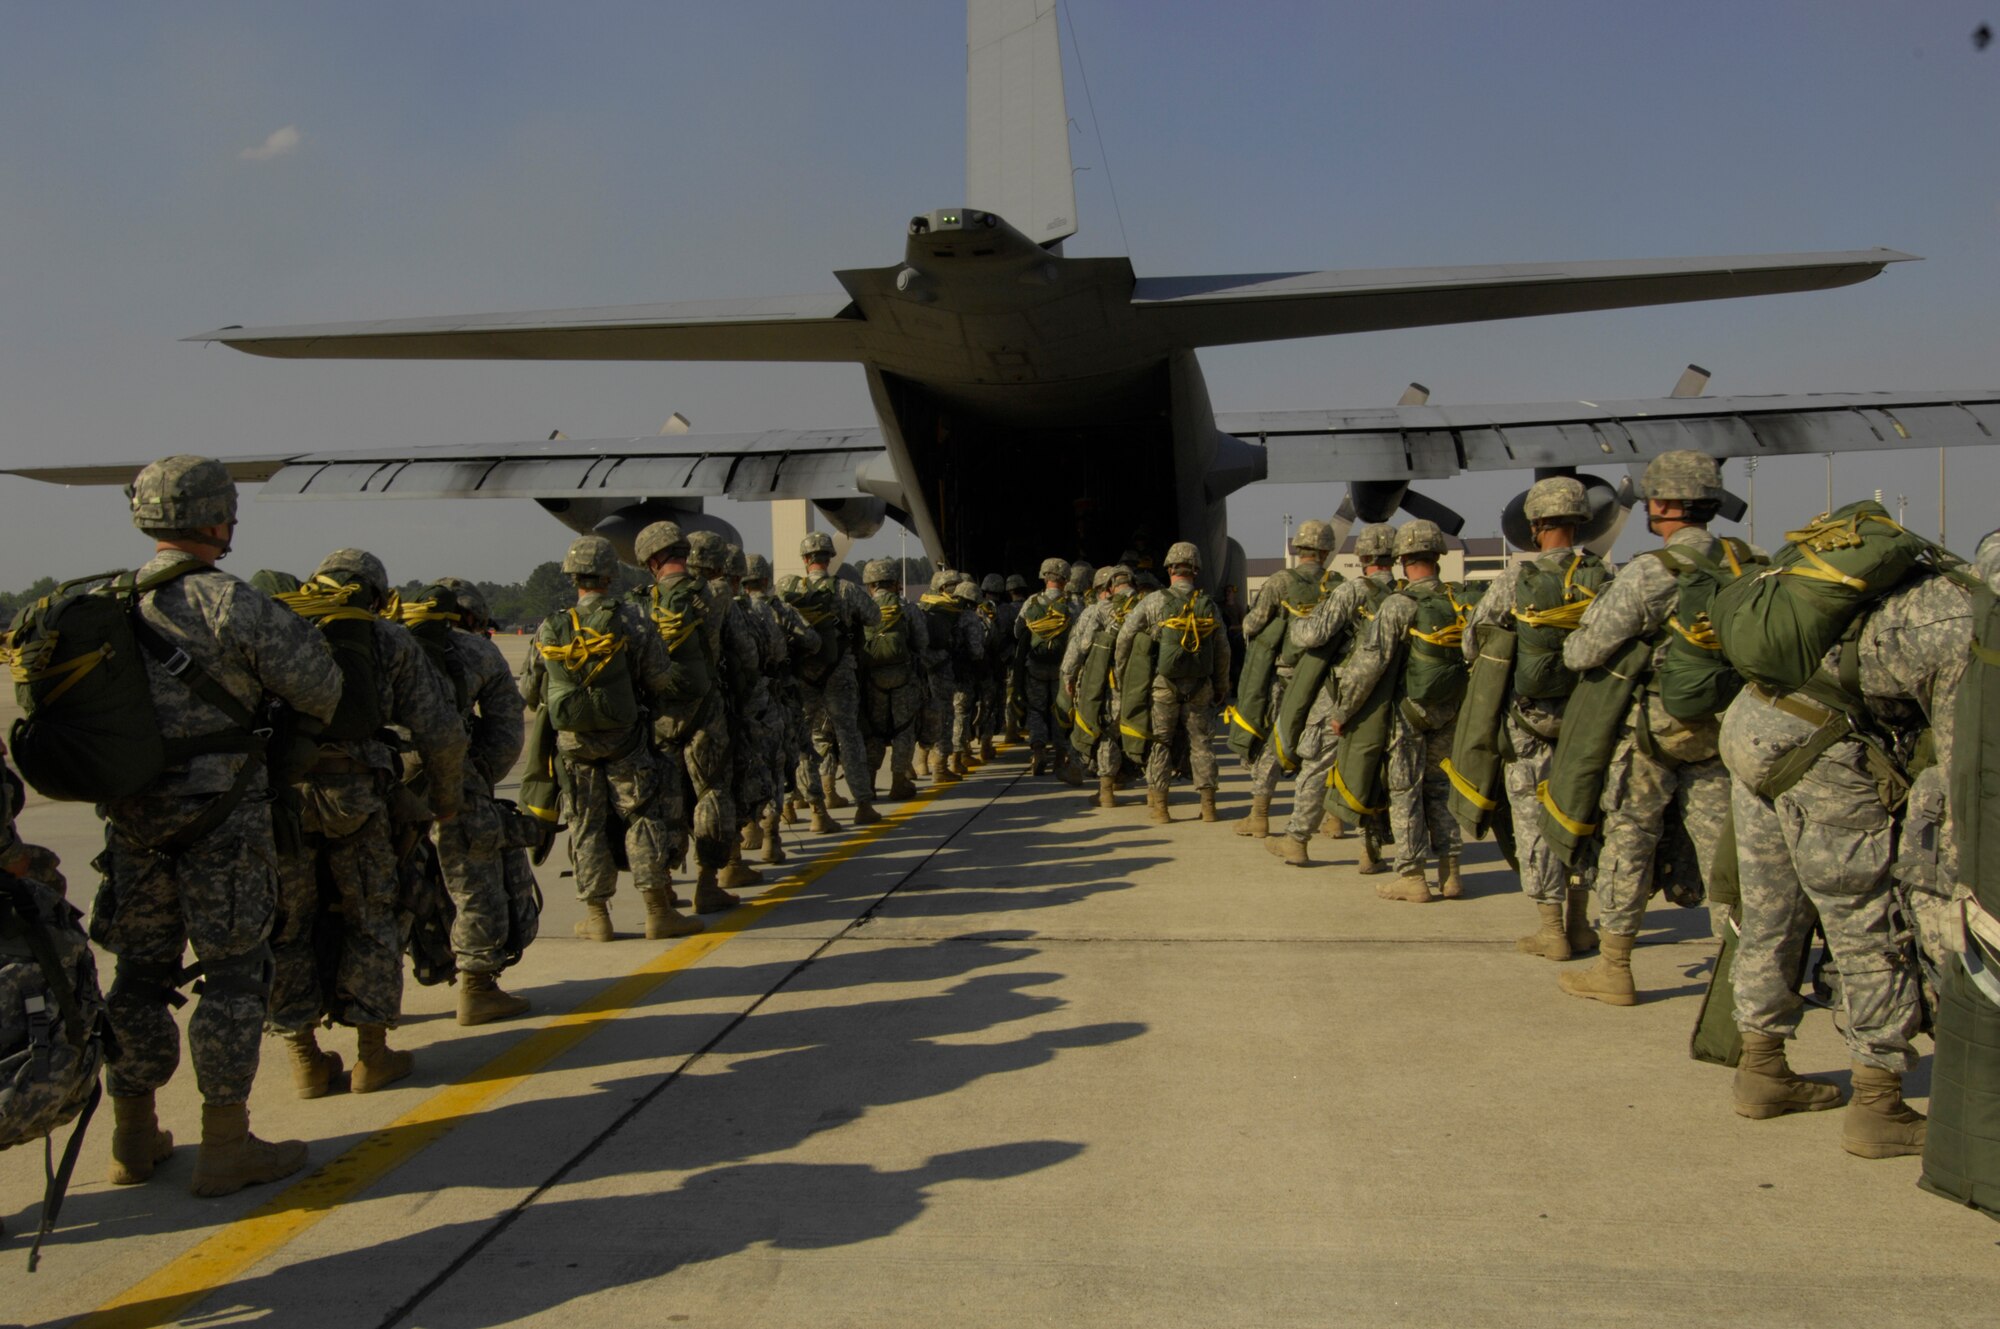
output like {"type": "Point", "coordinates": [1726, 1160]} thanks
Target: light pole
{"type": "Point", "coordinates": [1751, 466]}
{"type": "Point", "coordinates": [1285, 551]}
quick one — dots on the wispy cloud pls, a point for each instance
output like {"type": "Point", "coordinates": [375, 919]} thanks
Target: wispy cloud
{"type": "Point", "coordinates": [281, 142]}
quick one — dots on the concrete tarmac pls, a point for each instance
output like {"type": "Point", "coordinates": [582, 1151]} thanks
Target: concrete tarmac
{"type": "Point", "coordinates": [1008, 1061]}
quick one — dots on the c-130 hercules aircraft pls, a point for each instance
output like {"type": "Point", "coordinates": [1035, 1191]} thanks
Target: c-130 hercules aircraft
{"type": "Point", "coordinates": [985, 341]}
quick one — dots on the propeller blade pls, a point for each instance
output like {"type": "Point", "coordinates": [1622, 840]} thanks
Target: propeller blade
{"type": "Point", "coordinates": [1693, 382]}
{"type": "Point", "coordinates": [1414, 395]}
{"type": "Point", "coordinates": [1429, 509]}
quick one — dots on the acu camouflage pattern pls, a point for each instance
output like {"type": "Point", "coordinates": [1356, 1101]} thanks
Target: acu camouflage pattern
{"type": "Point", "coordinates": [890, 713]}
{"type": "Point", "coordinates": [693, 733]}
{"type": "Point", "coordinates": [1336, 622]}
{"type": "Point", "coordinates": [834, 706]}
{"type": "Point", "coordinates": [220, 895]}
{"type": "Point", "coordinates": [1658, 761]}
{"type": "Point", "coordinates": [1183, 707]}
{"type": "Point", "coordinates": [338, 939]}
{"type": "Point", "coordinates": [472, 847]}
{"type": "Point", "coordinates": [1826, 845]}
{"type": "Point", "coordinates": [1271, 601]}
{"type": "Point", "coordinates": [1100, 619]}
{"type": "Point", "coordinates": [612, 779]}
{"type": "Point", "coordinates": [182, 493]}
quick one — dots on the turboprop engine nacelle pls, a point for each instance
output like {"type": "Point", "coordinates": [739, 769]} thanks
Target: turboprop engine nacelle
{"type": "Point", "coordinates": [1606, 515]}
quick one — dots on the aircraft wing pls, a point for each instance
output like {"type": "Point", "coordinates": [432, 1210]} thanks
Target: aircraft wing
{"type": "Point", "coordinates": [806, 327]}
{"type": "Point", "coordinates": [1428, 442]}
{"type": "Point", "coordinates": [811, 464]}
{"type": "Point", "coordinates": [1223, 311]}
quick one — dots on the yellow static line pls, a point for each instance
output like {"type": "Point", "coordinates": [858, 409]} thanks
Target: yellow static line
{"type": "Point", "coordinates": [218, 1259]}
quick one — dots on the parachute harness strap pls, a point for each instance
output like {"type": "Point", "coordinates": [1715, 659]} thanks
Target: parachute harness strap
{"type": "Point", "coordinates": [1566, 616]}
{"type": "Point", "coordinates": [892, 614]}
{"type": "Point", "coordinates": [419, 612]}
{"type": "Point", "coordinates": [1050, 625]}
{"type": "Point", "coordinates": [1452, 635]}
{"type": "Point", "coordinates": [929, 600]}
{"type": "Point", "coordinates": [584, 646]}
{"type": "Point", "coordinates": [324, 600]}
{"type": "Point", "coordinates": [1194, 628]}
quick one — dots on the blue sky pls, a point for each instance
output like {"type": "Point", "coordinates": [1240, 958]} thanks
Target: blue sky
{"type": "Point", "coordinates": [456, 157]}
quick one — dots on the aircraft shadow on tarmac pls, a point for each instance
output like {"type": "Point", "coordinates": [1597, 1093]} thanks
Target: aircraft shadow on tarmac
{"type": "Point", "coordinates": [783, 1076]}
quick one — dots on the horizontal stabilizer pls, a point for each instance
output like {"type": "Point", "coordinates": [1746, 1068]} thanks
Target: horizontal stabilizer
{"type": "Point", "coordinates": [816, 464]}
{"type": "Point", "coordinates": [809, 327]}
{"type": "Point", "coordinates": [1429, 442]}
{"type": "Point", "coordinates": [1224, 311]}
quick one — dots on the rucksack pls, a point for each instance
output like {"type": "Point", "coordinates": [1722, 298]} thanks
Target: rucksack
{"type": "Point", "coordinates": [681, 617]}
{"type": "Point", "coordinates": [589, 686]}
{"type": "Point", "coordinates": [1547, 608]}
{"type": "Point", "coordinates": [1435, 669]}
{"type": "Point", "coordinates": [1047, 621]}
{"type": "Point", "coordinates": [1694, 677]}
{"type": "Point", "coordinates": [885, 647]}
{"type": "Point", "coordinates": [432, 626]}
{"type": "Point", "coordinates": [819, 605]}
{"type": "Point", "coordinates": [54, 1034]}
{"type": "Point", "coordinates": [1776, 627]}
{"type": "Point", "coordinates": [349, 630]}
{"type": "Point", "coordinates": [1185, 641]}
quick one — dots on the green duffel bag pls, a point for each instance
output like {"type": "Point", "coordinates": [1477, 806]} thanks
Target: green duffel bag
{"type": "Point", "coordinates": [1592, 723]}
{"type": "Point", "coordinates": [1247, 718]}
{"type": "Point", "coordinates": [1135, 699]}
{"type": "Point", "coordinates": [1775, 626]}
{"type": "Point", "coordinates": [1312, 675]}
{"type": "Point", "coordinates": [1475, 765]}
{"type": "Point", "coordinates": [1356, 790]}
{"type": "Point", "coordinates": [1716, 1039]}
{"type": "Point", "coordinates": [1975, 757]}
{"type": "Point", "coordinates": [1093, 687]}
{"type": "Point", "coordinates": [1962, 1147]}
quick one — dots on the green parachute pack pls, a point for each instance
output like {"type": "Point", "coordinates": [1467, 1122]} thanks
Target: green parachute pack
{"type": "Point", "coordinates": [1434, 670]}
{"type": "Point", "coordinates": [1776, 627]}
{"type": "Point", "coordinates": [1592, 723]}
{"type": "Point", "coordinates": [885, 647]}
{"type": "Point", "coordinates": [1093, 683]}
{"type": "Point", "coordinates": [588, 687]}
{"type": "Point", "coordinates": [1134, 689]}
{"type": "Point", "coordinates": [819, 605]}
{"type": "Point", "coordinates": [680, 615]}
{"type": "Point", "coordinates": [430, 618]}
{"type": "Point", "coordinates": [1185, 640]}
{"type": "Point", "coordinates": [349, 630]}
{"type": "Point", "coordinates": [1265, 658]}
{"type": "Point", "coordinates": [1046, 618]}
{"type": "Point", "coordinates": [1696, 678]}
{"type": "Point", "coordinates": [1547, 607]}
{"type": "Point", "coordinates": [1315, 672]}
{"type": "Point", "coordinates": [1356, 789]}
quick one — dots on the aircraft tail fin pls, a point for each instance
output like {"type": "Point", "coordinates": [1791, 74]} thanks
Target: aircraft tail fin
{"type": "Point", "coordinates": [1016, 119]}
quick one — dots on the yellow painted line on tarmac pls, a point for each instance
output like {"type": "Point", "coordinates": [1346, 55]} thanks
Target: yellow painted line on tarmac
{"type": "Point", "coordinates": [217, 1259]}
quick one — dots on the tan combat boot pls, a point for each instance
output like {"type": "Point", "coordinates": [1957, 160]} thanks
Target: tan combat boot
{"type": "Point", "coordinates": [1067, 771]}
{"type": "Point", "coordinates": [920, 760]}
{"type": "Point", "coordinates": [232, 1158]}
{"type": "Point", "coordinates": [663, 921]}
{"type": "Point", "coordinates": [901, 789]}
{"type": "Point", "coordinates": [1208, 805]}
{"type": "Point", "coordinates": [822, 824]}
{"type": "Point", "coordinates": [709, 897]}
{"type": "Point", "coordinates": [1879, 1123]}
{"type": "Point", "coordinates": [482, 1001]}
{"type": "Point", "coordinates": [595, 925]}
{"type": "Point", "coordinates": [835, 799]}
{"type": "Point", "coordinates": [986, 752]}
{"type": "Point", "coordinates": [1257, 822]}
{"type": "Point", "coordinates": [1450, 885]}
{"type": "Point", "coordinates": [774, 846]}
{"type": "Point", "coordinates": [1610, 979]}
{"type": "Point", "coordinates": [138, 1145]}
{"type": "Point", "coordinates": [1550, 941]}
{"type": "Point", "coordinates": [791, 812]}
{"type": "Point", "coordinates": [1037, 758]}
{"type": "Point", "coordinates": [1410, 886]}
{"type": "Point", "coordinates": [1334, 828]}
{"type": "Point", "coordinates": [315, 1073]}
{"type": "Point", "coordinates": [750, 835]}
{"type": "Point", "coordinates": [1107, 791]}
{"type": "Point", "coordinates": [1766, 1086]}
{"type": "Point", "coordinates": [1576, 921]}
{"type": "Point", "coordinates": [376, 1064]}
{"type": "Point", "coordinates": [1371, 856]}
{"type": "Point", "coordinates": [1288, 850]}
{"type": "Point", "coordinates": [1156, 807]}
{"type": "Point", "coordinates": [736, 876]}
{"type": "Point", "coordinates": [866, 815]}
{"type": "Point", "coordinates": [961, 765]}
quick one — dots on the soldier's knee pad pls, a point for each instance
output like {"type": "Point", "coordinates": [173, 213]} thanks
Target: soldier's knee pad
{"type": "Point", "coordinates": [248, 974]}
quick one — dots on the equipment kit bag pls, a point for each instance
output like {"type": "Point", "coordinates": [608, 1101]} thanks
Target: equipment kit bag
{"type": "Point", "coordinates": [1477, 759]}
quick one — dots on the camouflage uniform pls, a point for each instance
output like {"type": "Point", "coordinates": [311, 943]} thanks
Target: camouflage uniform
{"type": "Point", "coordinates": [1826, 844]}
{"type": "Point", "coordinates": [1336, 620]}
{"type": "Point", "coordinates": [996, 615]}
{"type": "Point", "coordinates": [1041, 669]}
{"type": "Point", "coordinates": [1105, 614]}
{"type": "Point", "coordinates": [833, 702]}
{"type": "Point", "coordinates": [892, 699]}
{"type": "Point", "coordinates": [344, 876]}
{"type": "Point", "coordinates": [1186, 705]}
{"type": "Point", "coordinates": [951, 665]}
{"type": "Point", "coordinates": [1533, 725]}
{"type": "Point", "coordinates": [791, 636]}
{"type": "Point", "coordinates": [1419, 791]}
{"type": "Point", "coordinates": [1017, 715]}
{"type": "Point", "coordinates": [615, 774]}
{"type": "Point", "coordinates": [220, 893]}
{"type": "Point", "coordinates": [472, 846]}
{"type": "Point", "coordinates": [1311, 543]}
{"type": "Point", "coordinates": [1668, 763]}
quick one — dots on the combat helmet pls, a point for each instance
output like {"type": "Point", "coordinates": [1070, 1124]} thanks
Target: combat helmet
{"type": "Point", "coordinates": [470, 602]}
{"type": "Point", "coordinates": [707, 553]}
{"type": "Point", "coordinates": [273, 582]}
{"type": "Point", "coordinates": [757, 568]}
{"type": "Point", "coordinates": [966, 590]}
{"type": "Point", "coordinates": [1316, 536]}
{"type": "Point", "coordinates": [878, 572]}
{"type": "Point", "coordinates": [1118, 575]}
{"type": "Point", "coordinates": [1420, 538]}
{"type": "Point", "coordinates": [346, 566]}
{"type": "Point", "coordinates": [1054, 569]}
{"type": "Point", "coordinates": [816, 545]}
{"type": "Point", "coordinates": [592, 556]}
{"type": "Point", "coordinates": [993, 584]}
{"type": "Point", "coordinates": [1560, 498]}
{"type": "Point", "coordinates": [182, 493]}
{"type": "Point", "coordinates": [1683, 476]}
{"type": "Point", "coordinates": [660, 537]}
{"type": "Point", "coordinates": [1101, 579]}
{"type": "Point", "coordinates": [1016, 582]}
{"type": "Point", "coordinates": [942, 580]}
{"type": "Point", "coordinates": [1183, 554]}
{"type": "Point", "coordinates": [1376, 542]}
{"type": "Point", "coordinates": [736, 566]}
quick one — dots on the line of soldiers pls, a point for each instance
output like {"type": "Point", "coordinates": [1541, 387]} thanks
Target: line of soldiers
{"type": "Point", "coordinates": [1818, 783]}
